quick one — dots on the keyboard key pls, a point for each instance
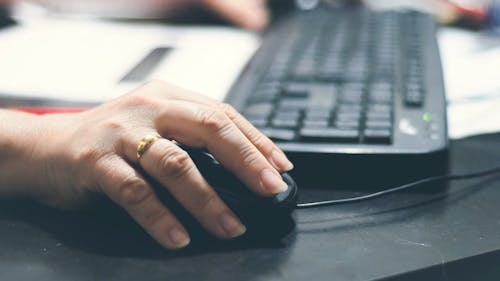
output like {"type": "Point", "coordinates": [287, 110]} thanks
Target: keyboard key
{"type": "Point", "coordinates": [258, 122]}
{"type": "Point", "coordinates": [380, 136]}
{"type": "Point", "coordinates": [292, 103]}
{"type": "Point", "coordinates": [271, 85]}
{"type": "Point", "coordinates": [414, 98]}
{"type": "Point", "coordinates": [347, 124]}
{"type": "Point", "coordinates": [378, 124]}
{"type": "Point", "coordinates": [381, 86]}
{"type": "Point", "coordinates": [349, 108]}
{"type": "Point", "coordinates": [275, 74]}
{"type": "Point", "coordinates": [329, 134]}
{"type": "Point", "coordinates": [381, 100]}
{"type": "Point", "coordinates": [287, 114]}
{"type": "Point", "coordinates": [258, 110]}
{"type": "Point", "coordinates": [266, 96]}
{"type": "Point", "coordinates": [286, 119]}
{"type": "Point", "coordinates": [330, 73]}
{"type": "Point", "coordinates": [353, 99]}
{"type": "Point", "coordinates": [379, 108]}
{"type": "Point", "coordinates": [318, 113]}
{"type": "Point", "coordinates": [375, 116]}
{"type": "Point", "coordinates": [308, 123]}
{"type": "Point", "coordinates": [348, 116]}
{"type": "Point", "coordinates": [381, 92]}
{"type": "Point", "coordinates": [295, 89]}
{"type": "Point", "coordinates": [354, 86]}
{"type": "Point", "coordinates": [284, 123]}
{"type": "Point", "coordinates": [279, 134]}
{"type": "Point", "coordinates": [303, 72]}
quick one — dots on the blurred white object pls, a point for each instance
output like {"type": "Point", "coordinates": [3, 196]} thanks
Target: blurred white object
{"type": "Point", "coordinates": [86, 60]}
{"type": "Point", "coordinates": [471, 62]}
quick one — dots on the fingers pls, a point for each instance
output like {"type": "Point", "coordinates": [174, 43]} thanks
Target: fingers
{"type": "Point", "coordinates": [270, 150]}
{"type": "Point", "coordinates": [175, 170]}
{"type": "Point", "coordinates": [195, 121]}
{"type": "Point", "coordinates": [129, 190]}
{"type": "Point", "coordinates": [202, 126]}
{"type": "Point", "coordinates": [250, 14]}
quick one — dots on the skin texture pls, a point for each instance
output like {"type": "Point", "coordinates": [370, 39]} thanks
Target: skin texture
{"type": "Point", "coordinates": [73, 158]}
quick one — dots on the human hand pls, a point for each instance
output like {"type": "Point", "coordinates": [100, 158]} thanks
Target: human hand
{"type": "Point", "coordinates": [95, 152]}
{"type": "Point", "coordinates": [250, 14]}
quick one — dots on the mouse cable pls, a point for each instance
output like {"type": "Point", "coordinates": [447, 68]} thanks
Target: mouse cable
{"type": "Point", "coordinates": [449, 177]}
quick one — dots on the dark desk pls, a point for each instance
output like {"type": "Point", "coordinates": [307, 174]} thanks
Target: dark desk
{"type": "Point", "coordinates": [410, 236]}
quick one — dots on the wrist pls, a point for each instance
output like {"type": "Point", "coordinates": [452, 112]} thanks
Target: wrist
{"type": "Point", "coordinates": [19, 133]}
{"type": "Point", "coordinates": [52, 176]}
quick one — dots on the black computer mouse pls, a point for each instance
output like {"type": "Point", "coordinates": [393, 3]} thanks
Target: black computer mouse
{"type": "Point", "coordinates": [266, 218]}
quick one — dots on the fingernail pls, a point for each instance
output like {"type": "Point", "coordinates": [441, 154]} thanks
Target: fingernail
{"type": "Point", "coordinates": [281, 161]}
{"type": "Point", "coordinates": [232, 226]}
{"type": "Point", "coordinates": [179, 237]}
{"type": "Point", "coordinates": [273, 182]}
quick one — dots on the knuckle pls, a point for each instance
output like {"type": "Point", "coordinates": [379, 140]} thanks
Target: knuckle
{"type": "Point", "coordinates": [203, 203]}
{"type": "Point", "coordinates": [155, 217]}
{"type": "Point", "coordinates": [249, 156]}
{"type": "Point", "coordinates": [133, 191]}
{"type": "Point", "coordinates": [139, 100]}
{"type": "Point", "coordinates": [141, 103]}
{"type": "Point", "coordinates": [212, 119]}
{"type": "Point", "coordinates": [215, 120]}
{"type": "Point", "coordinates": [259, 139]}
{"type": "Point", "coordinates": [113, 125]}
{"type": "Point", "coordinates": [175, 163]}
{"type": "Point", "coordinates": [89, 154]}
{"type": "Point", "coordinates": [229, 110]}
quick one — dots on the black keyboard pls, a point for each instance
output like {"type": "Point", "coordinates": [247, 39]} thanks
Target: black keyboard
{"type": "Point", "coordinates": [348, 83]}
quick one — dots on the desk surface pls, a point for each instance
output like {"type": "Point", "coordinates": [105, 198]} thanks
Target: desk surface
{"type": "Point", "coordinates": [452, 234]}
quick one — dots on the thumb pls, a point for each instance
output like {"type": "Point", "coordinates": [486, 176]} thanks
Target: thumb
{"type": "Point", "coordinates": [250, 14]}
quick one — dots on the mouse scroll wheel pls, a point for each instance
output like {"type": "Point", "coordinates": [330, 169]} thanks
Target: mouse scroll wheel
{"type": "Point", "coordinates": [212, 158]}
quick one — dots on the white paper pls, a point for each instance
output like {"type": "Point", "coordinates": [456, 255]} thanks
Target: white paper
{"type": "Point", "coordinates": [82, 59]}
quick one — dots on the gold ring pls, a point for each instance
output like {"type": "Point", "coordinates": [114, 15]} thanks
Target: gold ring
{"type": "Point", "coordinates": [146, 143]}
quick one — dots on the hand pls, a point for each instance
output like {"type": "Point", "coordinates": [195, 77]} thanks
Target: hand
{"type": "Point", "coordinates": [250, 14]}
{"type": "Point", "coordinates": [95, 152]}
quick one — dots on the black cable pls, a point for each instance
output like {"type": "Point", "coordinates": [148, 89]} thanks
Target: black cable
{"type": "Point", "coordinates": [398, 188]}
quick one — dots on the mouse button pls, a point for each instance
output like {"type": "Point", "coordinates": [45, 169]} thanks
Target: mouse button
{"type": "Point", "coordinates": [228, 197]}
{"type": "Point", "coordinates": [201, 158]}
{"type": "Point", "coordinates": [289, 194]}
{"type": "Point", "coordinates": [280, 197]}
{"type": "Point", "coordinates": [204, 164]}
{"type": "Point", "coordinates": [288, 180]}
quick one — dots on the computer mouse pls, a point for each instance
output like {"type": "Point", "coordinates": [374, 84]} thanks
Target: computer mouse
{"type": "Point", "coordinates": [266, 218]}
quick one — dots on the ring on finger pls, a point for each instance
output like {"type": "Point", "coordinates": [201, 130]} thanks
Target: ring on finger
{"type": "Point", "coordinates": [145, 144]}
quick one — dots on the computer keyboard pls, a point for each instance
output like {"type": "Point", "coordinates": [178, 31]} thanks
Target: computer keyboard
{"type": "Point", "coordinates": [348, 82]}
